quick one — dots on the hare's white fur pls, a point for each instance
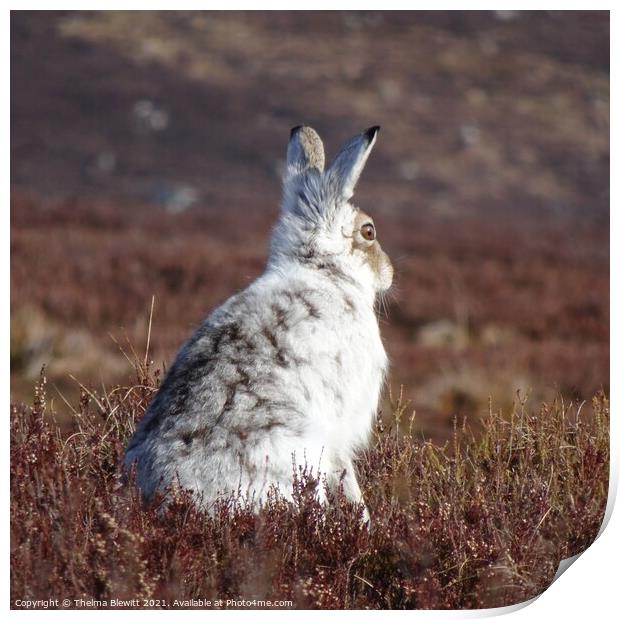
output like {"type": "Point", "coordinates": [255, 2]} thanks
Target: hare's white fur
{"type": "Point", "coordinates": [288, 370]}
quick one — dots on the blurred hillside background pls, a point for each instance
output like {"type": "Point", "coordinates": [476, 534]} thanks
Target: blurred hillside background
{"type": "Point", "coordinates": [146, 151]}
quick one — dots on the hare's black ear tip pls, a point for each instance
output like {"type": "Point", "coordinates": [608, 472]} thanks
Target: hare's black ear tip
{"type": "Point", "coordinates": [372, 132]}
{"type": "Point", "coordinates": [295, 129]}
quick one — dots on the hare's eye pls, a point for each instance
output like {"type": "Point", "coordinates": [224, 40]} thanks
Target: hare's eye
{"type": "Point", "coordinates": [368, 232]}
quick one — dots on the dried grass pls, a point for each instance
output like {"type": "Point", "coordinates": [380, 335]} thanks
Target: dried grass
{"type": "Point", "coordinates": [479, 522]}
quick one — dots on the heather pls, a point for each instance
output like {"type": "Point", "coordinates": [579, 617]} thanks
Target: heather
{"type": "Point", "coordinates": [480, 521]}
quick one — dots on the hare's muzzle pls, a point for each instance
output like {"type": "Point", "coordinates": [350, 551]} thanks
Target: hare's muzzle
{"type": "Point", "coordinates": [382, 266]}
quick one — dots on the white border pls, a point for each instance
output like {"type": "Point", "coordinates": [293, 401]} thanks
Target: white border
{"type": "Point", "coordinates": [589, 586]}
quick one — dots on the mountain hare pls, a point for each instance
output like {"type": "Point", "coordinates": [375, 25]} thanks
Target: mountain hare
{"type": "Point", "coordinates": [290, 369]}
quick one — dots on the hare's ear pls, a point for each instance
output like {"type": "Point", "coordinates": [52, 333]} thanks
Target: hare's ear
{"type": "Point", "coordinates": [305, 152]}
{"type": "Point", "coordinates": [349, 163]}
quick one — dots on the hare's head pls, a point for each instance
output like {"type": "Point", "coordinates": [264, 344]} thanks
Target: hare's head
{"type": "Point", "coordinates": [319, 226]}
